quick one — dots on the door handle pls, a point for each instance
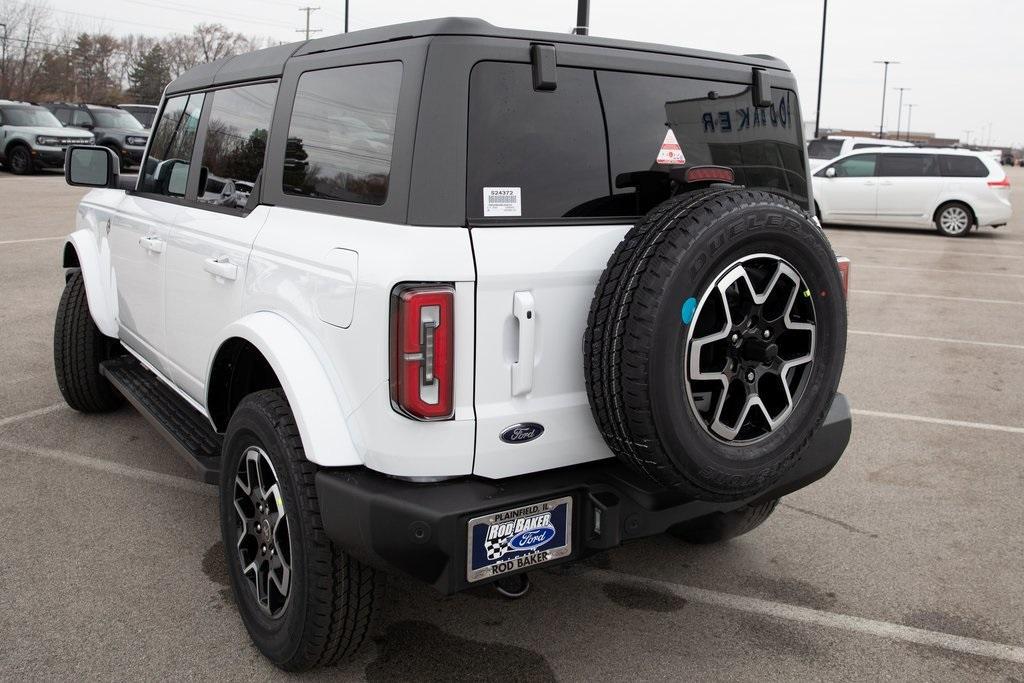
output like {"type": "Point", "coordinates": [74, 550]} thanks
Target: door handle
{"type": "Point", "coordinates": [522, 369]}
{"type": "Point", "coordinates": [152, 244]}
{"type": "Point", "coordinates": [885, 182]}
{"type": "Point", "coordinates": [869, 183]}
{"type": "Point", "coordinates": [221, 267]}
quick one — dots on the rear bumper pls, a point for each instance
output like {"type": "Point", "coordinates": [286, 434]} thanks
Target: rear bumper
{"type": "Point", "coordinates": [421, 529]}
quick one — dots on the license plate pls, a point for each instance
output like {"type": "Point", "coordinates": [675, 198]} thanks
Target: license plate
{"type": "Point", "coordinates": [520, 538]}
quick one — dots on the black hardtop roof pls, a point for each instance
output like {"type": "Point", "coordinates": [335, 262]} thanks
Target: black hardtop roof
{"type": "Point", "coordinates": [269, 63]}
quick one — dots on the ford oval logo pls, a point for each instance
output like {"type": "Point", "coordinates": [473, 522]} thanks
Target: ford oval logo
{"type": "Point", "coordinates": [521, 433]}
{"type": "Point", "coordinates": [531, 538]}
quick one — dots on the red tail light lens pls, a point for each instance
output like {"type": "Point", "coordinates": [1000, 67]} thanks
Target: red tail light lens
{"type": "Point", "coordinates": [422, 347]}
{"type": "Point", "coordinates": [844, 273]}
{"type": "Point", "coordinates": [718, 174]}
{"type": "Point", "coordinates": [1005, 182]}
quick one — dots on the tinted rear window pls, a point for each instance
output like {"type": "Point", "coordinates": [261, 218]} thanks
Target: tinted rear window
{"type": "Point", "coordinates": [567, 160]}
{"type": "Point", "coordinates": [825, 149]}
{"type": "Point", "coordinates": [962, 166]}
{"type": "Point", "coordinates": [915, 165]}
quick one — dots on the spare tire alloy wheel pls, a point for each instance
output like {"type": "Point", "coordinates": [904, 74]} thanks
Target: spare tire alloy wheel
{"type": "Point", "coordinates": [264, 544]}
{"type": "Point", "coordinates": [749, 346]}
{"type": "Point", "coordinates": [715, 342]}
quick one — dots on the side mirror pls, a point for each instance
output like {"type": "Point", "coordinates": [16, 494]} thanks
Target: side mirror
{"type": "Point", "coordinates": [172, 177]}
{"type": "Point", "coordinates": [91, 166]}
{"type": "Point", "coordinates": [830, 172]}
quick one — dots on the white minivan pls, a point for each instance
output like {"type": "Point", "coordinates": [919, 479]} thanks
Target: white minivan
{"type": "Point", "coordinates": [823, 150]}
{"type": "Point", "coordinates": [948, 188]}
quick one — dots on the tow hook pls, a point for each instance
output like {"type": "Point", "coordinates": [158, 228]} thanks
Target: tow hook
{"type": "Point", "coordinates": [513, 587]}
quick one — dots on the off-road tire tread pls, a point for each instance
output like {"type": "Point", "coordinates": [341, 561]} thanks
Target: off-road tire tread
{"type": "Point", "coordinates": [78, 349]}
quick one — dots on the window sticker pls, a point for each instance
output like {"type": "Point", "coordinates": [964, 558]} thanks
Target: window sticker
{"type": "Point", "coordinates": [670, 152]}
{"type": "Point", "coordinates": [503, 201]}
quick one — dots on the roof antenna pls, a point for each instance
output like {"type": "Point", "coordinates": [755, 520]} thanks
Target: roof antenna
{"type": "Point", "coordinates": [582, 18]}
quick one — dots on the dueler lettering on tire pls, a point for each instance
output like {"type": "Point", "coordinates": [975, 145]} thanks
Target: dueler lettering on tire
{"type": "Point", "coordinates": [715, 341]}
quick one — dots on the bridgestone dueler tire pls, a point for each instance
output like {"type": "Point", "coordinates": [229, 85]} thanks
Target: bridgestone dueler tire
{"type": "Point", "coordinates": [78, 349]}
{"type": "Point", "coordinates": [333, 596]}
{"type": "Point", "coordinates": [635, 342]}
{"type": "Point", "coordinates": [721, 526]}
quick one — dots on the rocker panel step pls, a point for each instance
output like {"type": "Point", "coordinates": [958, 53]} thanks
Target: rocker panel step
{"type": "Point", "coordinates": [177, 421]}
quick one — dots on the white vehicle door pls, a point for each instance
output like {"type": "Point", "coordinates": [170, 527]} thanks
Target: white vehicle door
{"type": "Point", "coordinates": [850, 194]}
{"type": "Point", "coordinates": [138, 230]}
{"type": "Point", "coordinates": [908, 187]}
{"type": "Point", "coordinates": [208, 247]}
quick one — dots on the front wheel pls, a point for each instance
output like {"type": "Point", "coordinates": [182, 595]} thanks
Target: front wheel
{"type": "Point", "coordinates": [305, 602]}
{"type": "Point", "coordinates": [954, 219]}
{"type": "Point", "coordinates": [19, 160]}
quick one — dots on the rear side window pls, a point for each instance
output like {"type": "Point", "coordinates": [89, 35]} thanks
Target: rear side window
{"type": "Point", "coordinates": [342, 132]}
{"type": "Point", "coordinates": [546, 150]}
{"type": "Point", "coordinates": [236, 141]}
{"type": "Point", "coordinates": [958, 166]}
{"type": "Point", "coordinates": [825, 149]}
{"type": "Point", "coordinates": [900, 165]}
{"type": "Point", "coordinates": [857, 166]}
{"type": "Point", "coordinates": [165, 170]}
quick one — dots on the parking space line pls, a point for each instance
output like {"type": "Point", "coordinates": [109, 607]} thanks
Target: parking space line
{"type": "Point", "coordinates": [814, 617]}
{"type": "Point", "coordinates": [30, 414]}
{"type": "Point", "coordinates": [938, 421]}
{"type": "Point", "coordinates": [98, 464]}
{"type": "Point", "coordinates": [944, 340]}
{"type": "Point", "coordinates": [938, 296]}
{"type": "Point", "coordinates": [33, 239]}
{"type": "Point", "coordinates": [882, 266]}
{"type": "Point", "coordinates": [850, 247]}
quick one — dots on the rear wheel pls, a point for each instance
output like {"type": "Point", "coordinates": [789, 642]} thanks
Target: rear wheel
{"type": "Point", "coordinates": [19, 160]}
{"type": "Point", "coordinates": [305, 602]}
{"type": "Point", "coordinates": [721, 526]}
{"type": "Point", "coordinates": [954, 219]}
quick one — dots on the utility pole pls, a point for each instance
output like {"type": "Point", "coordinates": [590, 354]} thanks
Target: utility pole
{"type": "Point", "coordinates": [899, 114]}
{"type": "Point", "coordinates": [308, 30]}
{"type": "Point", "coordinates": [910, 110]}
{"type": "Point", "coordinates": [582, 18]}
{"type": "Point", "coordinates": [821, 70]}
{"type": "Point", "coordinates": [885, 85]}
{"type": "Point", "coordinates": [968, 133]}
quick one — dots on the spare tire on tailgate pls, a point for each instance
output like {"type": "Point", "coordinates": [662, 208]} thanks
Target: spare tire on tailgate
{"type": "Point", "coordinates": [715, 341]}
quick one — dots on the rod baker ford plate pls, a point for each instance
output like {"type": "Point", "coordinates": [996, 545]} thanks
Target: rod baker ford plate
{"type": "Point", "coordinates": [519, 538]}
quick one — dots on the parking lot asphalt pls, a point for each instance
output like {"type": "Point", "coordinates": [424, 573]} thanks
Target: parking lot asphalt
{"type": "Point", "coordinates": [907, 561]}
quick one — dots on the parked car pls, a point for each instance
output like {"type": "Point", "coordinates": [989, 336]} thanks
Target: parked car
{"type": "Point", "coordinates": [951, 189]}
{"type": "Point", "coordinates": [377, 356]}
{"type": "Point", "coordinates": [145, 113]}
{"type": "Point", "coordinates": [113, 128]}
{"type": "Point", "coordinates": [31, 138]}
{"type": "Point", "coordinates": [823, 150]}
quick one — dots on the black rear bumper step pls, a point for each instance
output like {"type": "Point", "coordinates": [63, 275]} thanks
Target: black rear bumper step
{"type": "Point", "coordinates": [421, 529]}
{"type": "Point", "coordinates": [183, 426]}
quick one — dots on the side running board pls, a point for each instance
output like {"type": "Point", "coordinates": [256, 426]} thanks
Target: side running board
{"type": "Point", "coordinates": [177, 421]}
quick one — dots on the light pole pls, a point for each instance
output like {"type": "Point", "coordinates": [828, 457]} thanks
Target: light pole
{"type": "Point", "coordinates": [821, 69]}
{"type": "Point", "coordinates": [899, 112]}
{"type": "Point", "coordinates": [968, 133]}
{"type": "Point", "coordinates": [885, 84]}
{"type": "Point", "coordinates": [910, 111]}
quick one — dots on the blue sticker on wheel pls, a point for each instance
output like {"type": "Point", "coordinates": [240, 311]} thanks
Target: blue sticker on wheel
{"type": "Point", "coordinates": [689, 308]}
{"type": "Point", "coordinates": [520, 538]}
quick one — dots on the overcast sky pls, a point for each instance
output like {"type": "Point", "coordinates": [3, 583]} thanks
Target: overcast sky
{"type": "Point", "coordinates": [963, 60]}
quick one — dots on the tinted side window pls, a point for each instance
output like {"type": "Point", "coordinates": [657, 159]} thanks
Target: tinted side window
{"type": "Point", "coordinates": [962, 166]}
{"type": "Point", "coordinates": [236, 140]}
{"type": "Point", "coordinates": [63, 115]}
{"type": "Point", "coordinates": [825, 149]}
{"type": "Point", "coordinates": [859, 166]}
{"type": "Point", "coordinates": [342, 132]}
{"type": "Point", "coordinates": [548, 145]}
{"type": "Point", "coordinates": [80, 117]}
{"type": "Point", "coordinates": [165, 170]}
{"type": "Point", "coordinates": [899, 165]}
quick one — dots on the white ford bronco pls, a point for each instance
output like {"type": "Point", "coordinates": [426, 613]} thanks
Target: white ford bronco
{"type": "Point", "coordinates": [461, 302]}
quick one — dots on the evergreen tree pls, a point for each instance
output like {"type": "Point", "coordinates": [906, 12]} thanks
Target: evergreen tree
{"type": "Point", "coordinates": [149, 75]}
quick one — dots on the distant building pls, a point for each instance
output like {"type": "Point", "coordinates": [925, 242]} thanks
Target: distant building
{"type": "Point", "coordinates": [924, 139]}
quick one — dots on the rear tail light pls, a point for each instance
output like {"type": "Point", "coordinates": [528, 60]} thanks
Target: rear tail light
{"type": "Point", "coordinates": [422, 346]}
{"type": "Point", "coordinates": [844, 273]}
{"type": "Point", "coordinates": [1005, 182]}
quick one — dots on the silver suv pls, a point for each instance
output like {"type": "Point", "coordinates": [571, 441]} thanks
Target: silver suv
{"type": "Point", "coordinates": [32, 138]}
